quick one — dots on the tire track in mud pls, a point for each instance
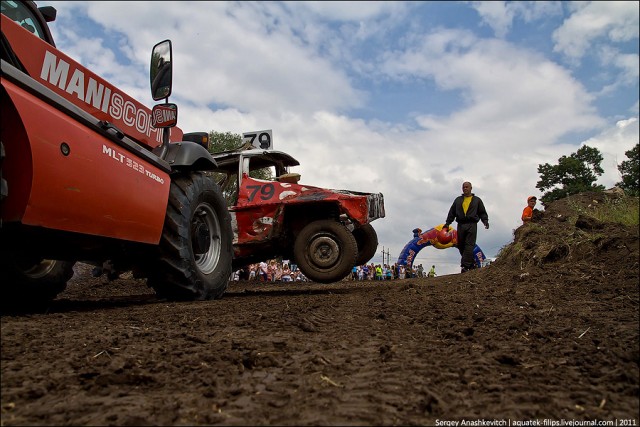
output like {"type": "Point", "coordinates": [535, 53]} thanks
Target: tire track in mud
{"type": "Point", "coordinates": [361, 371]}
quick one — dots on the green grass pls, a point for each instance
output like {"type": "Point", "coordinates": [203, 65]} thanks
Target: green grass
{"type": "Point", "coordinates": [624, 210]}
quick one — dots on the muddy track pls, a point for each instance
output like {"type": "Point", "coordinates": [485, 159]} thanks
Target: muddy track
{"type": "Point", "coordinates": [367, 353]}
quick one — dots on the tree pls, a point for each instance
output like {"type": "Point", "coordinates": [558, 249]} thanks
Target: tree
{"type": "Point", "coordinates": [574, 174]}
{"type": "Point", "coordinates": [630, 171]}
{"type": "Point", "coordinates": [224, 141]}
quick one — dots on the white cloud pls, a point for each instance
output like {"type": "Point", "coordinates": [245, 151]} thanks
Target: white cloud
{"type": "Point", "coordinates": [247, 55]}
{"type": "Point", "coordinates": [628, 64]}
{"type": "Point", "coordinates": [614, 21]}
{"type": "Point", "coordinates": [513, 96]}
{"type": "Point", "coordinates": [500, 15]}
{"type": "Point", "coordinates": [612, 143]}
{"type": "Point", "coordinates": [496, 14]}
{"type": "Point", "coordinates": [349, 11]}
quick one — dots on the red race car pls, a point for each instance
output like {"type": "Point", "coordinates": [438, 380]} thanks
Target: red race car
{"type": "Point", "coordinates": [325, 232]}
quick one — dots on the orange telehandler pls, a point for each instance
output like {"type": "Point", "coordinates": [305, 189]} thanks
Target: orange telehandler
{"type": "Point", "coordinates": [89, 174]}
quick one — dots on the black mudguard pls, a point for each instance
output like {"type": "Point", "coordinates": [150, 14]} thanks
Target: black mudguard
{"type": "Point", "coordinates": [186, 154]}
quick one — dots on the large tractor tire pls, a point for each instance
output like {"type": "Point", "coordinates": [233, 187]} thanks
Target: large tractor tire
{"type": "Point", "coordinates": [367, 241]}
{"type": "Point", "coordinates": [325, 251]}
{"type": "Point", "coordinates": [195, 248]}
{"type": "Point", "coordinates": [32, 285]}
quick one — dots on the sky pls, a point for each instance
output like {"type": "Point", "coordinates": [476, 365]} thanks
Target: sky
{"type": "Point", "coordinates": [407, 99]}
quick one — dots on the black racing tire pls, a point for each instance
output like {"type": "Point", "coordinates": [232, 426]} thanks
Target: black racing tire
{"type": "Point", "coordinates": [31, 285]}
{"type": "Point", "coordinates": [325, 251]}
{"type": "Point", "coordinates": [367, 241]}
{"type": "Point", "coordinates": [195, 252]}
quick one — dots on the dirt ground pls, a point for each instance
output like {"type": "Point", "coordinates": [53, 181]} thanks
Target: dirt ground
{"type": "Point", "coordinates": [547, 332]}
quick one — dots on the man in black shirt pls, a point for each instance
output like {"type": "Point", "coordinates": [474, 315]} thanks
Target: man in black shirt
{"type": "Point", "coordinates": [467, 210]}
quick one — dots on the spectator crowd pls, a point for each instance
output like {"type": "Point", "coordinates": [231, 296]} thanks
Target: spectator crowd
{"type": "Point", "coordinates": [270, 271]}
{"type": "Point", "coordinates": [386, 272]}
{"type": "Point", "coordinates": [283, 271]}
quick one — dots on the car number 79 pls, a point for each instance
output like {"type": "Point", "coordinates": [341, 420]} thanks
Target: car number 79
{"type": "Point", "coordinates": [266, 191]}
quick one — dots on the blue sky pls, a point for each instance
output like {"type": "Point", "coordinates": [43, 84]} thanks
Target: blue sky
{"type": "Point", "coordinates": [409, 99]}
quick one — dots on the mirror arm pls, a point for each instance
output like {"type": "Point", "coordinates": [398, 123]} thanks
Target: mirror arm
{"type": "Point", "coordinates": [165, 143]}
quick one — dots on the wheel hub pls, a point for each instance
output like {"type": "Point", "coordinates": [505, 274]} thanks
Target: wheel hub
{"type": "Point", "coordinates": [201, 238]}
{"type": "Point", "coordinates": [325, 251]}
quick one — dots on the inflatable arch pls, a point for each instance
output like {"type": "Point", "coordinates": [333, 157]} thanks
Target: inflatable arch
{"type": "Point", "coordinates": [432, 237]}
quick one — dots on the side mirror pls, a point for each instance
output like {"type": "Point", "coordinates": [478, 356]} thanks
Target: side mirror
{"type": "Point", "coordinates": [161, 70]}
{"type": "Point", "coordinates": [48, 12]}
{"type": "Point", "coordinates": [164, 116]}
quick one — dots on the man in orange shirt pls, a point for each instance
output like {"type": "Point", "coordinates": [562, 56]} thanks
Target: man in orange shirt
{"type": "Point", "coordinates": [527, 213]}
